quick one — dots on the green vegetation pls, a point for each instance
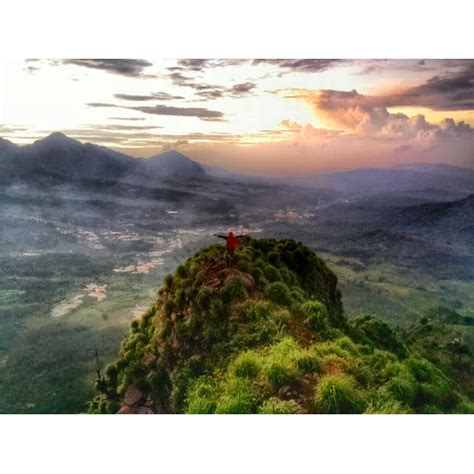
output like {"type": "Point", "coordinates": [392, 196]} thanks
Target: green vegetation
{"type": "Point", "coordinates": [269, 335]}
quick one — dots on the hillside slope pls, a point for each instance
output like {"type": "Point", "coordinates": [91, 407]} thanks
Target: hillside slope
{"type": "Point", "coordinates": [266, 335]}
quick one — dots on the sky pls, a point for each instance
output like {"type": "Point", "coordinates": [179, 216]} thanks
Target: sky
{"type": "Point", "coordinates": [258, 116]}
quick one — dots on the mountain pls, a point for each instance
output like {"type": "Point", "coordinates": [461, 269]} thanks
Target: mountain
{"type": "Point", "coordinates": [365, 182]}
{"type": "Point", "coordinates": [410, 197]}
{"type": "Point", "coordinates": [266, 334]}
{"type": "Point", "coordinates": [437, 169]}
{"type": "Point", "coordinates": [173, 164]}
{"type": "Point", "coordinates": [58, 156]}
{"type": "Point", "coordinates": [455, 217]}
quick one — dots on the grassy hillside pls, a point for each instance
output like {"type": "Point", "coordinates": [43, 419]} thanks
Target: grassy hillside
{"type": "Point", "coordinates": [268, 334]}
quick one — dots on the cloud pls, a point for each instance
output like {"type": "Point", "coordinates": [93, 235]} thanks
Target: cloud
{"type": "Point", "coordinates": [121, 127]}
{"type": "Point", "coordinates": [403, 148]}
{"type": "Point", "coordinates": [213, 91]}
{"type": "Point", "coordinates": [369, 115]}
{"type": "Point", "coordinates": [153, 96]}
{"type": "Point", "coordinates": [302, 65]}
{"type": "Point", "coordinates": [180, 111]}
{"type": "Point", "coordinates": [123, 67]}
{"type": "Point", "coordinates": [127, 118]}
{"type": "Point", "coordinates": [199, 112]}
{"type": "Point", "coordinates": [450, 91]}
{"type": "Point", "coordinates": [201, 64]}
{"type": "Point", "coordinates": [308, 131]}
{"type": "Point", "coordinates": [239, 90]}
{"type": "Point", "coordinates": [101, 104]}
{"type": "Point", "coordinates": [193, 64]}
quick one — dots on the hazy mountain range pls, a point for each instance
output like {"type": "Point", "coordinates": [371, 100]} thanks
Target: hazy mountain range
{"type": "Point", "coordinates": [59, 156]}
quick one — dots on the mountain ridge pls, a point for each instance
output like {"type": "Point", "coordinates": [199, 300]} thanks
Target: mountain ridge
{"type": "Point", "coordinates": [266, 334]}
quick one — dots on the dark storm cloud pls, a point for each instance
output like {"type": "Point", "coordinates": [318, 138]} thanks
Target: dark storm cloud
{"type": "Point", "coordinates": [153, 96]}
{"type": "Point", "coordinates": [451, 91]}
{"type": "Point", "coordinates": [301, 65]}
{"type": "Point", "coordinates": [445, 92]}
{"type": "Point", "coordinates": [123, 67]}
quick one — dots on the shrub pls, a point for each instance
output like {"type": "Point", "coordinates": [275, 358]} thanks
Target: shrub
{"type": "Point", "coordinates": [256, 310]}
{"type": "Point", "coordinates": [182, 271]}
{"type": "Point", "coordinates": [202, 396]}
{"type": "Point", "coordinates": [204, 297]}
{"type": "Point", "coordinates": [281, 317]}
{"type": "Point", "coordinates": [403, 387]}
{"type": "Point", "coordinates": [275, 406]}
{"type": "Point", "coordinates": [466, 408]}
{"type": "Point", "coordinates": [338, 394]}
{"type": "Point", "coordinates": [272, 273]}
{"type": "Point", "coordinates": [246, 365]}
{"type": "Point", "coordinates": [308, 362]}
{"type": "Point", "coordinates": [315, 314]}
{"type": "Point", "coordinates": [233, 289]}
{"type": "Point", "coordinates": [237, 398]}
{"type": "Point", "coordinates": [278, 374]}
{"type": "Point", "coordinates": [168, 281]}
{"type": "Point", "coordinates": [279, 293]}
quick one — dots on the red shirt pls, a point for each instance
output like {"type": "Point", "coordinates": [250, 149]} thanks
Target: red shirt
{"type": "Point", "coordinates": [232, 242]}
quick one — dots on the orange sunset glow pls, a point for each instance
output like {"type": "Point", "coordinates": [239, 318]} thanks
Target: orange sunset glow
{"type": "Point", "coordinates": [271, 117]}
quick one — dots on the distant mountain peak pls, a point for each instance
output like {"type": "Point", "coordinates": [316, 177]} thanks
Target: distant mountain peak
{"type": "Point", "coordinates": [174, 164]}
{"type": "Point", "coordinates": [172, 154]}
{"type": "Point", "coordinates": [4, 143]}
{"type": "Point", "coordinates": [57, 139]}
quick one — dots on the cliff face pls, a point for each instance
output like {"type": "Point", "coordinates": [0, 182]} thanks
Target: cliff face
{"type": "Point", "coordinates": [265, 333]}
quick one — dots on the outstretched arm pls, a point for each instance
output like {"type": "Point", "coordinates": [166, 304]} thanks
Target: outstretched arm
{"type": "Point", "coordinates": [221, 236]}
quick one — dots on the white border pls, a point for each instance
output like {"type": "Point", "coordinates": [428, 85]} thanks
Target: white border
{"type": "Point", "coordinates": [236, 29]}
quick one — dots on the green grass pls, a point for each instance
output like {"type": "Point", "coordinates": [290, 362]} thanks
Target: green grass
{"type": "Point", "coordinates": [338, 394]}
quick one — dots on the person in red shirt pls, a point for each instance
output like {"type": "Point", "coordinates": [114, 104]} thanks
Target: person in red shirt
{"type": "Point", "coordinates": [231, 244]}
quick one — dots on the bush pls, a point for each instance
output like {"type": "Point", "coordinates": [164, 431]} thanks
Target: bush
{"type": "Point", "coordinates": [255, 310]}
{"type": "Point", "coordinates": [338, 394]}
{"type": "Point", "coordinates": [237, 398]}
{"type": "Point", "coordinates": [275, 406]}
{"type": "Point", "coordinates": [204, 297]}
{"type": "Point", "coordinates": [278, 374]}
{"type": "Point", "coordinates": [278, 293]}
{"type": "Point", "coordinates": [202, 396]}
{"type": "Point", "coordinates": [403, 387]}
{"type": "Point", "coordinates": [466, 408]}
{"type": "Point", "coordinates": [316, 315]}
{"type": "Point", "coordinates": [272, 273]}
{"type": "Point", "coordinates": [233, 289]}
{"type": "Point", "coordinates": [246, 365]}
{"type": "Point", "coordinates": [308, 362]}
{"type": "Point", "coordinates": [281, 317]}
